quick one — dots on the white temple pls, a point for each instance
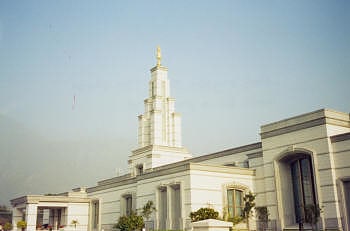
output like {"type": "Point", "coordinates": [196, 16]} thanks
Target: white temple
{"type": "Point", "coordinates": [299, 161]}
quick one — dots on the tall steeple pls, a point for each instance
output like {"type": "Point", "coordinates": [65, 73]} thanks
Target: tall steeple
{"type": "Point", "coordinates": [159, 131]}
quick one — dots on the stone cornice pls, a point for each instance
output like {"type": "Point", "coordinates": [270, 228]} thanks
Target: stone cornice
{"type": "Point", "coordinates": [308, 120]}
{"type": "Point", "coordinates": [168, 170]}
{"type": "Point", "coordinates": [255, 155]}
{"type": "Point", "coordinates": [177, 166]}
{"type": "Point", "coordinates": [340, 137]}
{"type": "Point", "coordinates": [222, 169]}
{"type": "Point", "coordinates": [35, 199]}
{"type": "Point", "coordinates": [112, 183]}
{"type": "Point", "coordinates": [159, 68]}
{"type": "Point", "coordinates": [159, 148]}
{"type": "Point", "coordinates": [245, 148]}
{"type": "Point", "coordinates": [115, 179]}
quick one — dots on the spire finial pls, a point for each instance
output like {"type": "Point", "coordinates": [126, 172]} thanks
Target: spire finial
{"type": "Point", "coordinates": [159, 56]}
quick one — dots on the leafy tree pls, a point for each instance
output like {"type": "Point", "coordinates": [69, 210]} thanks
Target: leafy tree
{"type": "Point", "coordinates": [148, 209]}
{"type": "Point", "coordinates": [8, 226]}
{"type": "Point", "coordinates": [203, 214]}
{"type": "Point", "coordinates": [75, 222]}
{"type": "Point", "coordinates": [312, 215]}
{"type": "Point", "coordinates": [249, 204]}
{"type": "Point", "coordinates": [129, 223]}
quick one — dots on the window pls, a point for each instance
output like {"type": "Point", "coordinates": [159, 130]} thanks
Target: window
{"type": "Point", "coordinates": [139, 169]}
{"type": "Point", "coordinates": [235, 202]}
{"type": "Point", "coordinates": [95, 212]}
{"type": "Point", "coordinates": [128, 203]}
{"type": "Point", "coordinates": [303, 185]}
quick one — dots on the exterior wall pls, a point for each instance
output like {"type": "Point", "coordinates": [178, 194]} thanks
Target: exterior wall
{"type": "Point", "coordinates": [194, 180]}
{"type": "Point", "coordinates": [79, 212]}
{"type": "Point", "coordinates": [110, 201]}
{"type": "Point", "coordinates": [309, 133]}
{"type": "Point", "coordinates": [341, 153]}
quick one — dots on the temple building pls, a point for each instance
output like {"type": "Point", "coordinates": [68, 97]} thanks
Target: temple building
{"type": "Point", "coordinates": [299, 161]}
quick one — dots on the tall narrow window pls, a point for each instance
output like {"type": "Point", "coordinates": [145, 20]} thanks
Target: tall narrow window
{"type": "Point", "coordinates": [139, 169]}
{"type": "Point", "coordinates": [128, 205]}
{"type": "Point", "coordinates": [235, 202]}
{"type": "Point", "coordinates": [303, 186]}
{"type": "Point", "coordinates": [95, 212]}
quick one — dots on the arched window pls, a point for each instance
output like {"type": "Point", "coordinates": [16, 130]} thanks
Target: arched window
{"type": "Point", "coordinates": [303, 185]}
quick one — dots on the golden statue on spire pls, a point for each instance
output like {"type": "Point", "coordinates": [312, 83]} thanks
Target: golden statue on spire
{"type": "Point", "coordinates": [159, 56]}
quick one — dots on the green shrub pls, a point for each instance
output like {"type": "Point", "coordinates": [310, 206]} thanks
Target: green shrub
{"type": "Point", "coordinates": [129, 223]}
{"type": "Point", "coordinates": [203, 214]}
{"type": "Point", "coordinates": [236, 220]}
{"type": "Point", "coordinates": [8, 226]}
{"type": "Point", "coordinates": [21, 224]}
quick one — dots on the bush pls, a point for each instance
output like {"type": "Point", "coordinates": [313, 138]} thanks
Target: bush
{"type": "Point", "coordinates": [21, 224]}
{"type": "Point", "coordinates": [129, 223]}
{"type": "Point", "coordinates": [8, 226]}
{"type": "Point", "coordinates": [236, 220]}
{"type": "Point", "coordinates": [203, 214]}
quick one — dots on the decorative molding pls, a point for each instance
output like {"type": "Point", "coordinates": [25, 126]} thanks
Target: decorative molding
{"type": "Point", "coordinates": [293, 128]}
{"type": "Point", "coordinates": [308, 120]}
{"type": "Point", "coordinates": [228, 152]}
{"type": "Point", "coordinates": [340, 137]}
{"type": "Point", "coordinates": [35, 199]}
{"type": "Point", "coordinates": [156, 68]}
{"type": "Point", "coordinates": [168, 170]}
{"type": "Point", "coordinates": [294, 143]}
{"type": "Point", "coordinates": [255, 155]}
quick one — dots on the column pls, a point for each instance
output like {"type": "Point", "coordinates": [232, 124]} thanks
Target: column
{"type": "Point", "coordinates": [17, 215]}
{"type": "Point", "coordinates": [31, 215]}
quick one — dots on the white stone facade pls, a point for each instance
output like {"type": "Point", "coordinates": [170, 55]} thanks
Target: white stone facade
{"type": "Point", "coordinates": [300, 160]}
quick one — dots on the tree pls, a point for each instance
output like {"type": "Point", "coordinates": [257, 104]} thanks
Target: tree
{"type": "Point", "coordinates": [148, 209]}
{"type": "Point", "coordinates": [75, 222]}
{"type": "Point", "coordinates": [249, 204]}
{"type": "Point", "coordinates": [203, 214]}
{"type": "Point", "coordinates": [129, 223]}
{"type": "Point", "coordinates": [263, 216]}
{"type": "Point", "coordinates": [312, 215]}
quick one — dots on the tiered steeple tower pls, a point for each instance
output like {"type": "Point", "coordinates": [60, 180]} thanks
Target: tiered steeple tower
{"type": "Point", "coordinates": [159, 132]}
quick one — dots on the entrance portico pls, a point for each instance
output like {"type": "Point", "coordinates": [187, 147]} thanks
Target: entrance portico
{"type": "Point", "coordinates": [69, 211]}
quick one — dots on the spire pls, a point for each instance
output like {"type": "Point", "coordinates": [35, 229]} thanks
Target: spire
{"type": "Point", "coordinates": [159, 56]}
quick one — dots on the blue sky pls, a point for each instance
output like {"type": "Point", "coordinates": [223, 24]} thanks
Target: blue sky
{"type": "Point", "coordinates": [233, 66]}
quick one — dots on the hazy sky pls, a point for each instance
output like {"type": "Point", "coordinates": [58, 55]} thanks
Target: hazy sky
{"type": "Point", "coordinates": [233, 66]}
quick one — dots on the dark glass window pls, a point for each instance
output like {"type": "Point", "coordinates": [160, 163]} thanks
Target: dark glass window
{"type": "Point", "coordinates": [303, 186]}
